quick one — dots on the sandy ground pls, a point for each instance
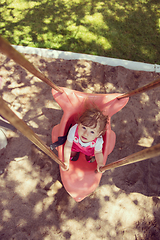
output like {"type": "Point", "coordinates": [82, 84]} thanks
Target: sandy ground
{"type": "Point", "coordinates": [34, 204]}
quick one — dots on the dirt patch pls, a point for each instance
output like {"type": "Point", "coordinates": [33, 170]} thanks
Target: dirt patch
{"type": "Point", "coordinates": [34, 204]}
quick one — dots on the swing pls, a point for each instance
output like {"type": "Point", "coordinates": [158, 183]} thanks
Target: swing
{"type": "Point", "coordinates": [81, 179]}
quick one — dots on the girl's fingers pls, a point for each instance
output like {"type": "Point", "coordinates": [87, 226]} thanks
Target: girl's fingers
{"type": "Point", "coordinates": [98, 168]}
{"type": "Point", "coordinates": [66, 168]}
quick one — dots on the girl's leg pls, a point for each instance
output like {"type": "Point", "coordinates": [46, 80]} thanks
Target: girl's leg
{"type": "Point", "coordinates": [74, 156]}
{"type": "Point", "coordinates": [90, 158]}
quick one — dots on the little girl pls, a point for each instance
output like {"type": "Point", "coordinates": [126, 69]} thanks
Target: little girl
{"type": "Point", "coordinates": [86, 137]}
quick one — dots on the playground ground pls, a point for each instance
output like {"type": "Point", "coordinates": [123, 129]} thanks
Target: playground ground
{"type": "Point", "coordinates": [34, 204]}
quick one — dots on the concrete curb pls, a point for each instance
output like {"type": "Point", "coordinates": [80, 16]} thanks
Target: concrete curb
{"type": "Point", "coordinates": [48, 53]}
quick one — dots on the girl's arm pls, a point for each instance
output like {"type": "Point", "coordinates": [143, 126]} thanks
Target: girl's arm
{"type": "Point", "coordinates": [67, 154]}
{"type": "Point", "coordinates": [99, 160]}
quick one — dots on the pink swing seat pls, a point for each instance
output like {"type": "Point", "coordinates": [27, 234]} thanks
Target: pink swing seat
{"type": "Point", "coordinates": [81, 179]}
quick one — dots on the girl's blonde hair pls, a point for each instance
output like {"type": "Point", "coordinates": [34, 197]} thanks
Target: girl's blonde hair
{"type": "Point", "coordinates": [91, 117]}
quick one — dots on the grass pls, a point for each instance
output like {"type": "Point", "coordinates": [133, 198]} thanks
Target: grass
{"type": "Point", "coordinates": [114, 28]}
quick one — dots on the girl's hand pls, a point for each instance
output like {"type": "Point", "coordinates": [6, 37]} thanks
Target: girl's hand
{"type": "Point", "coordinates": [67, 154]}
{"type": "Point", "coordinates": [98, 168]}
{"type": "Point", "coordinates": [66, 167]}
{"type": "Point", "coordinates": [99, 159]}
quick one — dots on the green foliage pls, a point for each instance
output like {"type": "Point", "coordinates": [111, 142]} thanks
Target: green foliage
{"type": "Point", "coordinates": [116, 28]}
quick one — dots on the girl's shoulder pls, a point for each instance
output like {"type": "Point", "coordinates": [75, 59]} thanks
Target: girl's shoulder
{"type": "Point", "coordinates": [99, 139]}
{"type": "Point", "coordinates": [73, 128]}
{"type": "Point", "coordinates": [99, 144]}
{"type": "Point", "coordinates": [71, 133]}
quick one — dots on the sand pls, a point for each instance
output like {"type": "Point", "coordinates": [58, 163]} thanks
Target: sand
{"type": "Point", "coordinates": [34, 204]}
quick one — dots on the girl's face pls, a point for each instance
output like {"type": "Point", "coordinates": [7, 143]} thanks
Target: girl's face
{"type": "Point", "coordinates": [88, 134]}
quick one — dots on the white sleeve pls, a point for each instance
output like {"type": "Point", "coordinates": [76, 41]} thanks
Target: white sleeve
{"type": "Point", "coordinates": [71, 133]}
{"type": "Point", "coordinates": [99, 144]}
